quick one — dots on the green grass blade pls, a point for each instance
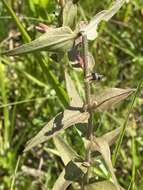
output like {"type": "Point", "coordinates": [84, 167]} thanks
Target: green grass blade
{"type": "Point", "coordinates": [5, 109]}
{"type": "Point", "coordinates": [118, 145]}
{"type": "Point", "coordinates": [40, 59]}
{"type": "Point", "coordinates": [18, 22]}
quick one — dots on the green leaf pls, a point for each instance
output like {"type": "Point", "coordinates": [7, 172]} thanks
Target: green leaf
{"type": "Point", "coordinates": [69, 14]}
{"type": "Point", "coordinates": [55, 40]}
{"type": "Point", "coordinates": [103, 185]}
{"type": "Point", "coordinates": [91, 29]}
{"type": "Point", "coordinates": [106, 98]}
{"type": "Point", "coordinates": [59, 123]}
{"type": "Point", "coordinates": [65, 150]}
{"type": "Point", "coordinates": [75, 99]}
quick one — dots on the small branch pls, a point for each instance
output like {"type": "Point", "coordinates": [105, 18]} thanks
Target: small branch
{"type": "Point", "coordinates": [87, 95]}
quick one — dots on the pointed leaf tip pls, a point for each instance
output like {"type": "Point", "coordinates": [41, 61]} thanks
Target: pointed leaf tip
{"type": "Point", "coordinates": [59, 123]}
{"type": "Point", "coordinates": [91, 29]}
{"type": "Point", "coordinates": [106, 98]}
{"type": "Point", "coordinates": [55, 40]}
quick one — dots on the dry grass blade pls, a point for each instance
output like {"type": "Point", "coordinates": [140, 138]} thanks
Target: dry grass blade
{"type": "Point", "coordinates": [56, 125]}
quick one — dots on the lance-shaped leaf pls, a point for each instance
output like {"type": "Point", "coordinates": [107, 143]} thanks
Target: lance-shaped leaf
{"type": "Point", "coordinates": [55, 40]}
{"type": "Point", "coordinates": [91, 29]}
{"type": "Point", "coordinates": [61, 182]}
{"type": "Point", "coordinates": [102, 185]}
{"type": "Point", "coordinates": [75, 99]}
{"type": "Point", "coordinates": [56, 125]}
{"type": "Point", "coordinates": [106, 98]}
{"type": "Point", "coordinates": [69, 14]}
{"type": "Point", "coordinates": [112, 136]}
{"type": "Point", "coordinates": [101, 144]}
{"type": "Point", "coordinates": [73, 172]}
{"type": "Point", "coordinates": [65, 150]}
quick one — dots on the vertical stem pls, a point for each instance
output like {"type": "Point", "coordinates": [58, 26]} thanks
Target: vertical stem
{"type": "Point", "coordinates": [87, 95]}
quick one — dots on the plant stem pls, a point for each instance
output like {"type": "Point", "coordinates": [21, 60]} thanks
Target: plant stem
{"type": "Point", "coordinates": [87, 96]}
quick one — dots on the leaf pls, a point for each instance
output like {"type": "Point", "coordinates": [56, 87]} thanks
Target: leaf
{"type": "Point", "coordinates": [61, 182]}
{"type": "Point", "coordinates": [55, 40]}
{"type": "Point", "coordinates": [75, 99]}
{"type": "Point", "coordinates": [108, 97]}
{"type": "Point", "coordinates": [65, 151]}
{"type": "Point", "coordinates": [112, 136]}
{"type": "Point", "coordinates": [102, 185]}
{"type": "Point", "coordinates": [56, 125]}
{"type": "Point", "coordinates": [91, 62]}
{"type": "Point", "coordinates": [109, 137]}
{"type": "Point", "coordinates": [73, 172]}
{"type": "Point", "coordinates": [102, 146]}
{"type": "Point", "coordinates": [69, 14]}
{"type": "Point", "coordinates": [91, 29]}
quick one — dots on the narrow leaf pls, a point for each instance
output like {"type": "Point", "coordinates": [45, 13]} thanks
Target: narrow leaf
{"type": "Point", "coordinates": [55, 40]}
{"type": "Point", "coordinates": [65, 150]}
{"type": "Point", "coordinates": [91, 29]}
{"type": "Point", "coordinates": [109, 97]}
{"type": "Point", "coordinates": [61, 182]}
{"type": "Point", "coordinates": [102, 185]}
{"type": "Point", "coordinates": [112, 136]}
{"type": "Point", "coordinates": [69, 14]}
{"type": "Point", "coordinates": [101, 145]}
{"type": "Point", "coordinates": [73, 172]}
{"type": "Point", "coordinates": [75, 99]}
{"type": "Point", "coordinates": [56, 125]}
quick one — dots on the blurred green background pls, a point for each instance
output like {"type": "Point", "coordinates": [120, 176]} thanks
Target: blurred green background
{"type": "Point", "coordinates": [28, 99]}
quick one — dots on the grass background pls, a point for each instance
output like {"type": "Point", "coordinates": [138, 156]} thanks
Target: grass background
{"type": "Point", "coordinates": [29, 97]}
